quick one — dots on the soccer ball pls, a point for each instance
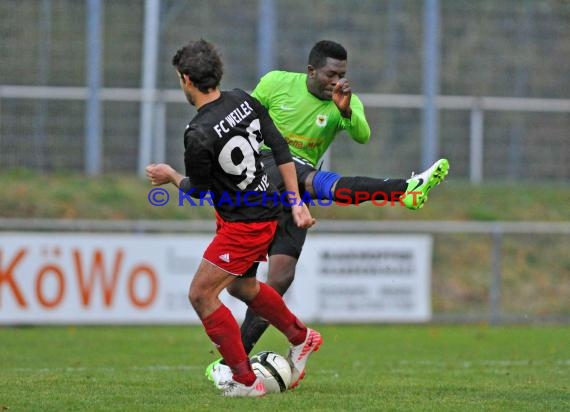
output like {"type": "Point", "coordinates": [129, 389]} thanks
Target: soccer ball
{"type": "Point", "coordinates": [273, 370]}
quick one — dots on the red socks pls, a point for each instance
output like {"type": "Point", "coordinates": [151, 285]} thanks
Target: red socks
{"type": "Point", "coordinates": [270, 305]}
{"type": "Point", "coordinates": [223, 330]}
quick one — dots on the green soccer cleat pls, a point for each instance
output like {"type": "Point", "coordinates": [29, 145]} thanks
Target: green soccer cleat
{"type": "Point", "coordinates": [219, 373]}
{"type": "Point", "coordinates": [420, 185]}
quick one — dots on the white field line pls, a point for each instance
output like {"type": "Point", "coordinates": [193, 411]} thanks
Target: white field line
{"type": "Point", "coordinates": [435, 364]}
{"type": "Point", "coordinates": [491, 363]}
{"type": "Point", "coordinates": [152, 368]}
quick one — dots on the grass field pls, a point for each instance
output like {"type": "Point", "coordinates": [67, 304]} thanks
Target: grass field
{"type": "Point", "coordinates": [359, 368]}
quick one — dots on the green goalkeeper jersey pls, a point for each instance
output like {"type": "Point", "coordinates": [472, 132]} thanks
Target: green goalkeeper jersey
{"type": "Point", "coordinates": [308, 124]}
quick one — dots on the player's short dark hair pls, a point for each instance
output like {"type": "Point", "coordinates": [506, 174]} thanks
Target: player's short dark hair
{"type": "Point", "coordinates": [201, 62]}
{"type": "Point", "coordinates": [323, 49]}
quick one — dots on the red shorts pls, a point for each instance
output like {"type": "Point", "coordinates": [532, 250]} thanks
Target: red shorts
{"type": "Point", "coordinates": [238, 245]}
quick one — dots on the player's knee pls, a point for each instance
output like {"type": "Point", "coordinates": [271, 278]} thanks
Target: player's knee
{"type": "Point", "coordinates": [244, 289]}
{"type": "Point", "coordinates": [281, 280]}
{"type": "Point", "coordinates": [194, 300]}
{"type": "Point", "coordinates": [197, 299]}
{"type": "Point", "coordinates": [323, 183]}
{"type": "Point", "coordinates": [235, 290]}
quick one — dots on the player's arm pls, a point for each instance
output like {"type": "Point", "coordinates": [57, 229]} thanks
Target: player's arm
{"type": "Point", "coordinates": [162, 173]}
{"type": "Point", "coordinates": [301, 214]}
{"type": "Point", "coordinates": [351, 109]}
{"type": "Point", "coordinates": [196, 160]}
{"type": "Point", "coordinates": [284, 161]}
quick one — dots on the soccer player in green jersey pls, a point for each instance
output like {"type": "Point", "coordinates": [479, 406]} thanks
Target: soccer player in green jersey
{"type": "Point", "coordinates": [310, 109]}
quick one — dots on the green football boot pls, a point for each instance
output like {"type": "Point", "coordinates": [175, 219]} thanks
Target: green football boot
{"type": "Point", "coordinates": [219, 373]}
{"type": "Point", "coordinates": [420, 185]}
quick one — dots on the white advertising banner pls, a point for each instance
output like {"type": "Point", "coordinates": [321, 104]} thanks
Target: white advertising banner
{"type": "Point", "coordinates": [364, 278]}
{"type": "Point", "coordinates": [124, 279]}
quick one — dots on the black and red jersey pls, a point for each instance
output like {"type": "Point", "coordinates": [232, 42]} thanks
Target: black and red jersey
{"type": "Point", "coordinates": [222, 156]}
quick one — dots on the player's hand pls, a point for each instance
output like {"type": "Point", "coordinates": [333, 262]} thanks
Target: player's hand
{"type": "Point", "coordinates": [341, 97]}
{"type": "Point", "coordinates": [159, 173]}
{"type": "Point", "coordinates": [302, 216]}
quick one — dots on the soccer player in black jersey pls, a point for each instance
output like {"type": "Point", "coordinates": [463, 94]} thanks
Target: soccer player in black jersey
{"type": "Point", "coordinates": [222, 157]}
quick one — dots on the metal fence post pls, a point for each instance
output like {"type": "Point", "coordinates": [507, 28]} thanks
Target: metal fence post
{"type": "Point", "coordinates": [159, 131]}
{"type": "Point", "coordinates": [430, 76]}
{"type": "Point", "coordinates": [266, 34]}
{"type": "Point", "coordinates": [476, 143]}
{"type": "Point", "coordinates": [93, 145]}
{"type": "Point", "coordinates": [495, 287]}
{"type": "Point", "coordinates": [149, 70]}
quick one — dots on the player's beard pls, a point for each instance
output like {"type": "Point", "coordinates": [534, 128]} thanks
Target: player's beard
{"type": "Point", "coordinates": [318, 90]}
{"type": "Point", "coordinates": [189, 98]}
{"type": "Point", "coordinates": [325, 90]}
